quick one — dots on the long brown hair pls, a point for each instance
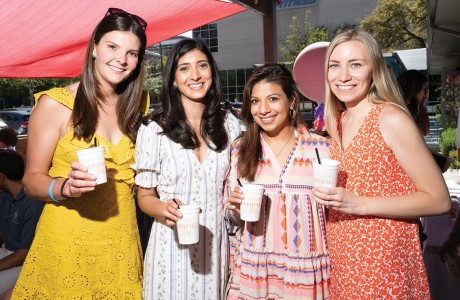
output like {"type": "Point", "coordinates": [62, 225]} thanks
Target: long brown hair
{"type": "Point", "coordinates": [132, 102]}
{"type": "Point", "coordinates": [250, 153]}
{"type": "Point", "coordinates": [383, 87]}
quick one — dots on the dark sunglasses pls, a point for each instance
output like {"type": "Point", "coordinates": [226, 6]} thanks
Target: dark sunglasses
{"type": "Point", "coordinates": [117, 11]}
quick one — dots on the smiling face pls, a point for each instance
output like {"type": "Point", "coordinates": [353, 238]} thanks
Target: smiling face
{"type": "Point", "coordinates": [193, 76]}
{"type": "Point", "coordinates": [116, 57]}
{"type": "Point", "coordinates": [270, 107]}
{"type": "Point", "coordinates": [350, 72]}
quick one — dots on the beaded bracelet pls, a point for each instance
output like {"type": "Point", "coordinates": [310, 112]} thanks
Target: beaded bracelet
{"type": "Point", "coordinates": [50, 190]}
{"type": "Point", "coordinates": [455, 235]}
{"type": "Point", "coordinates": [62, 189]}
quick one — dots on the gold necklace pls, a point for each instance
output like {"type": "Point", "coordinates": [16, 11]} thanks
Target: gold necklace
{"type": "Point", "coordinates": [284, 145]}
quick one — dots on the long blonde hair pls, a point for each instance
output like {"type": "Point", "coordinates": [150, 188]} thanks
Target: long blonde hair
{"type": "Point", "coordinates": [384, 87]}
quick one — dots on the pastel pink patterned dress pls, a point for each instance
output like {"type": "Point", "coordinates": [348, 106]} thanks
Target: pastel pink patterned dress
{"type": "Point", "coordinates": [283, 255]}
{"type": "Point", "coordinates": [373, 257]}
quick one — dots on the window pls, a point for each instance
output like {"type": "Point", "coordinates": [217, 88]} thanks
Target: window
{"type": "Point", "coordinates": [208, 33]}
{"type": "Point", "coordinates": [233, 82]}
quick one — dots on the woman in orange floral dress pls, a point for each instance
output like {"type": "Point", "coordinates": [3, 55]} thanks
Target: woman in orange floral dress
{"type": "Point", "coordinates": [387, 178]}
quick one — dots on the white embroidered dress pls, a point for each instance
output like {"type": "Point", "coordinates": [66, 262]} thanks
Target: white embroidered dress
{"type": "Point", "coordinates": [171, 270]}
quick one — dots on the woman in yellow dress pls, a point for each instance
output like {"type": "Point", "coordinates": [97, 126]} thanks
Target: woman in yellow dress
{"type": "Point", "coordinates": [87, 242]}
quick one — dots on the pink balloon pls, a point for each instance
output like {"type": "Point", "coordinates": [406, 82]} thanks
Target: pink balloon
{"type": "Point", "coordinates": [308, 71]}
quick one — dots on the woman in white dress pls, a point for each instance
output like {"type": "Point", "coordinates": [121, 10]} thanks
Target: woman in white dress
{"type": "Point", "coordinates": [182, 157]}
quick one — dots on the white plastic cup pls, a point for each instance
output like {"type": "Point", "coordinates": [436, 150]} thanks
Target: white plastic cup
{"type": "Point", "coordinates": [188, 227]}
{"type": "Point", "coordinates": [250, 206]}
{"type": "Point", "coordinates": [94, 160]}
{"type": "Point", "coordinates": [325, 174]}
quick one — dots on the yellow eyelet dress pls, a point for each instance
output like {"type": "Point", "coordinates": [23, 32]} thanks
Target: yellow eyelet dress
{"type": "Point", "coordinates": [86, 247]}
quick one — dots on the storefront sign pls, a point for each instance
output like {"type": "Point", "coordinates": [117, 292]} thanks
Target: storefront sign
{"type": "Point", "coordinates": [287, 4]}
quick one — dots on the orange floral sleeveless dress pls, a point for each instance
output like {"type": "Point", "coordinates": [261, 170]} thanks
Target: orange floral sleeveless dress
{"type": "Point", "coordinates": [373, 257]}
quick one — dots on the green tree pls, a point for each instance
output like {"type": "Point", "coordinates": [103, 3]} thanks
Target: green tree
{"type": "Point", "coordinates": [302, 34]}
{"type": "Point", "coordinates": [398, 24]}
{"type": "Point", "coordinates": [24, 88]}
{"type": "Point", "coordinates": [153, 78]}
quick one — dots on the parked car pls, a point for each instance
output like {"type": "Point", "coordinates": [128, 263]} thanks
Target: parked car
{"type": "Point", "coordinates": [17, 118]}
{"type": "Point", "coordinates": [2, 124]}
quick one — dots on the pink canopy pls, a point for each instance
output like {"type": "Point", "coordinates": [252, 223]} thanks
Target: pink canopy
{"type": "Point", "coordinates": [49, 38]}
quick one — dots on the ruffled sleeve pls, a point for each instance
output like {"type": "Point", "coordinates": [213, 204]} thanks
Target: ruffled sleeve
{"type": "Point", "coordinates": [61, 95]}
{"type": "Point", "coordinates": [147, 159]}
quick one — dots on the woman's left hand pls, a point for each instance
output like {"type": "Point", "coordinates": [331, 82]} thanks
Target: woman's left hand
{"type": "Point", "coordinates": [339, 199]}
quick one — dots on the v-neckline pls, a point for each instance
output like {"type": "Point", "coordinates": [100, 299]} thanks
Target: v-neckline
{"type": "Point", "coordinates": [204, 158]}
{"type": "Point", "coordinates": [272, 154]}
{"type": "Point", "coordinates": [109, 142]}
{"type": "Point", "coordinates": [358, 132]}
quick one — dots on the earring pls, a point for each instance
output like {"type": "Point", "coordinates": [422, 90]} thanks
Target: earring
{"type": "Point", "coordinates": [175, 85]}
{"type": "Point", "coordinates": [94, 56]}
{"type": "Point", "coordinates": [292, 114]}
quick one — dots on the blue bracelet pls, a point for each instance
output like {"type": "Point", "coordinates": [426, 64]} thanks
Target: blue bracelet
{"type": "Point", "coordinates": [455, 235]}
{"type": "Point", "coordinates": [50, 190]}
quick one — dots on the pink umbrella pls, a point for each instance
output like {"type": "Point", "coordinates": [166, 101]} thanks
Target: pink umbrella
{"type": "Point", "coordinates": [49, 38]}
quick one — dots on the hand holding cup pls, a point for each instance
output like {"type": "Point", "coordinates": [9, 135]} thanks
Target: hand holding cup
{"type": "Point", "coordinates": [79, 181]}
{"type": "Point", "coordinates": [172, 211]}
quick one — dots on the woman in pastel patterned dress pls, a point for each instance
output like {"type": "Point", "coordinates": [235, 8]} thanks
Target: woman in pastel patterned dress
{"type": "Point", "coordinates": [87, 244]}
{"type": "Point", "coordinates": [284, 254]}
{"type": "Point", "coordinates": [387, 178]}
{"type": "Point", "coordinates": [183, 155]}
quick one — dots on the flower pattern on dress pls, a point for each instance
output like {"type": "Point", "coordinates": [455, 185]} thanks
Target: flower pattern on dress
{"type": "Point", "coordinates": [171, 270]}
{"type": "Point", "coordinates": [373, 257]}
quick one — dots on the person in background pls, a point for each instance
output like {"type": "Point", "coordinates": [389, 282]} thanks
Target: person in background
{"type": "Point", "coordinates": [228, 105]}
{"type": "Point", "coordinates": [8, 138]}
{"type": "Point", "coordinates": [387, 177]}
{"type": "Point", "coordinates": [283, 255]}
{"type": "Point", "coordinates": [450, 249]}
{"type": "Point", "coordinates": [182, 157]}
{"type": "Point", "coordinates": [19, 215]}
{"type": "Point", "coordinates": [414, 88]}
{"type": "Point", "coordinates": [87, 241]}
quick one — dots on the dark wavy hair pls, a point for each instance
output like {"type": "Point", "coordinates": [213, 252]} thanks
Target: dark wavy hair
{"type": "Point", "coordinates": [12, 165]}
{"type": "Point", "coordinates": [171, 116]}
{"type": "Point", "coordinates": [132, 102]}
{"type": "Point", "coordinates": [411, 83]}
{"type": "Point", "coordinates": [8, 136]}
{"type": "Point", "coordinates": [250, 152]}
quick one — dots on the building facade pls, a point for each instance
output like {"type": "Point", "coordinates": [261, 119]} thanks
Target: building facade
{"type": "Point", "coordinates": [240, 37]}
{"type": "Point", "coordinates": [237, 41]}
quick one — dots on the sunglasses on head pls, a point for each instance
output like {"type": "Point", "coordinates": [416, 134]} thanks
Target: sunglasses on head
{"type": "Point", "coordinates": [117, 11]}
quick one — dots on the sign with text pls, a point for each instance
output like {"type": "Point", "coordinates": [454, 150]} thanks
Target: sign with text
{"type": "Point", "coordinates": [288, 4]}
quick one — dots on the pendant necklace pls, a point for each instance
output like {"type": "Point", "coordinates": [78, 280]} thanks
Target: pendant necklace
{"type": "Point", "coordinates": [284, 146]}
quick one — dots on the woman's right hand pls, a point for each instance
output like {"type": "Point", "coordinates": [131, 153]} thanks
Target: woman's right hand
{"type": "Point", "coordinates": [171, 212]}
{"type": "Point", "coordinates": [80, 181]}
{"type": "Point", "coordinates": [236, 196]}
